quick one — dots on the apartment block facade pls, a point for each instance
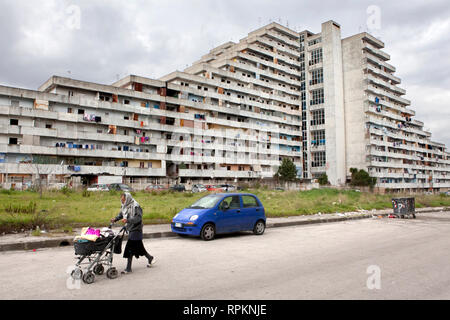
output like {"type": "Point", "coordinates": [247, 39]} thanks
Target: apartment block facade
{"type": "Point", "coordinates": [327, 103]}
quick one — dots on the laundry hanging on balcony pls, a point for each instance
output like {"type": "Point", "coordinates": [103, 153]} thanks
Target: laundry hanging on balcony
{"type": "Point", "coordinates": [74, 168]}
{"type": "Point", "coordinates": [91, 117]}
{"type": "Point", "coordinates": [112, 129]}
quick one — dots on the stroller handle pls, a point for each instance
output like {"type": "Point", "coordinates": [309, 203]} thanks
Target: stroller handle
{"type": "Point", "coordinates": [122, 229]}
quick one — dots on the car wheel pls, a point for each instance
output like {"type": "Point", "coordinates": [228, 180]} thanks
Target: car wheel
{"type": "Point", "coordinates": [208, 232]}
{"type": "Point", "coordinates": [259, 228]}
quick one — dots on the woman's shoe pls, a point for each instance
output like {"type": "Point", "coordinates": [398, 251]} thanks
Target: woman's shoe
{"type": "Point", "coordinates": [151, 262]}
{"type": "Point", "coordinates": [126, 272]}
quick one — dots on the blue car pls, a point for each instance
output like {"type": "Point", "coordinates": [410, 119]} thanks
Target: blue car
{"type": "Point", "coordinates": [221, 213]}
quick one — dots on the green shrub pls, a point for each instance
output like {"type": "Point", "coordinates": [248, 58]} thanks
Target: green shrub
{"type": "Point", "coordinates": [323, 179]}
{"type": "Point", "coordinates": [86, 194]}
{"type": "Point", "coordinates": [19, 208]}
{"type": "Point", "coordinates": [66, 191]}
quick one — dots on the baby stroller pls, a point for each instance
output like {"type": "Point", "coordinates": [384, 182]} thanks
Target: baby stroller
{"type": "Point", "coordinates": [98, 254]}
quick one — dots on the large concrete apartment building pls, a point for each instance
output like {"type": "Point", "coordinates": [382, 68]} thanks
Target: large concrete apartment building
{"type": "Point", "coordinates": [327, 103]}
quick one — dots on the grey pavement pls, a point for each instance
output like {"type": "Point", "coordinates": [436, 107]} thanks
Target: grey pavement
{"type": "Point", "coordinates": [25, 241]}
{"type": "Point", "coordinates": [354, 259]}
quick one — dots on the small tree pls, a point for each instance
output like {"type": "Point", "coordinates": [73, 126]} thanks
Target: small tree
{"type": "Point", "coordinates": [362, 178]}
{"type": "Point", "coordinates": [323, 179]}
{"type": "Point", "coordinates": [287, 171]}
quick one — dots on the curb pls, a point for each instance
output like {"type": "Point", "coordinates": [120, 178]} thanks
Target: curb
{"type": "Point", "coordinates": [68, 241]}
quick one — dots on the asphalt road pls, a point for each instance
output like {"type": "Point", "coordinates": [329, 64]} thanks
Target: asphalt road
{"type": "Point", "coordinates": [362, 259]}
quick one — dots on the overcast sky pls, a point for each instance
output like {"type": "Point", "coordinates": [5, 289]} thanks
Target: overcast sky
{"type": "Point", "coordinates": [104, 40]}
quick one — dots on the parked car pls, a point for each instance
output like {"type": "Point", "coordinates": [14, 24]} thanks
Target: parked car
{"type": "Point", "coordinates": [228, 187]}
{"type": "Point", "coordinates": [56, 186]}
{"type": "Point", "coordinates": [178, 188]}
{"type": "Point", "coordinates": [198, 188]}
{"type": "Point", "coordinates": [214, 188]}
{"type": "Point", "coordinates": [155, 187]}
{"type": "Point", "coordinates": [98, 187]}
{"type": "Point", "coordinates": [221, 213]}
{"type": "Point", "coordinates": [119, 187]}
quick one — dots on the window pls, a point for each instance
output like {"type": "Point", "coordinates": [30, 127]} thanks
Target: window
{"type": "Point", "coordinates": [249, 202]}
{"type": "Point", "coordinates": [14, 122]}
{"type": "Point", "coordinates": [233, 202]}
{"type": "Point", "coordinates": [48, 126]}
{"type": "Point", "coordinates": [318, 117]}
{"type": "Point", "coordinates": [316, 76]}
{"type": "Point", "coordinates": [317, 97]}
{"type": "Point", "coordinates": [69, 110]}
{"type": "Point", "coordinates": [15, 103]}
{"type": "Point", "coordinates": [80, 111]}
{"type": "Point", "coordinates": [315, 41]}
{"type": "Point", "coordinates": [316, 56]}
{"type": "Point", "coordinates": [12, 140]}
{"type": "Point", "coordinates": [319, 159]}
{"type": "Point", "coordinates": [318, 138]}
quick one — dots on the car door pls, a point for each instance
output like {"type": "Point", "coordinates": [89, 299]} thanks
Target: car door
{"type": "Point", "coordinates": [228, 218]}
{"type": "Point", "coordinates": [251, 211]}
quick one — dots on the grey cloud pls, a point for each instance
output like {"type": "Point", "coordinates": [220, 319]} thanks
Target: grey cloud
{"type": "Point", "coordinates": [153, 38]}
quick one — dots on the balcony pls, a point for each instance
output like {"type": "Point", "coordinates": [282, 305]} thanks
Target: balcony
{"type": "Point", "coordinates": [83, 170]}
{"type": "Point", "coordinates": [212, 174]}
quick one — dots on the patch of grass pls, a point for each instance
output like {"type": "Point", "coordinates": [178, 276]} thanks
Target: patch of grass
{"type": "Point", "coordinates": [60, 210]}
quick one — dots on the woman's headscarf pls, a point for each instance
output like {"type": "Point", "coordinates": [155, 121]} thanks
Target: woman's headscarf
{"type": "Point", "coordinates": [128, 206]}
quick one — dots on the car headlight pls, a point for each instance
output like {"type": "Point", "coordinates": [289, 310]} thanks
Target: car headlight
{"type": "Point", "coordinates": [194, 217]}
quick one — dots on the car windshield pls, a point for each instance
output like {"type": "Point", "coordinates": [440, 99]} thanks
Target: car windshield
{"type": "Point", "coordinates": [207, 202]}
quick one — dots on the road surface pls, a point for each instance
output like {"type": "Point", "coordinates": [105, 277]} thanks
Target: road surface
{"type": "Point", "coordinates": [362, 259]}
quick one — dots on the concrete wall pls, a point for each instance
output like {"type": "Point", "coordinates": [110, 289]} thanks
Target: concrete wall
{"type": "Point", "coordinates": [354, 97]}
{"type": "Point", "coordinates": [334, 103]}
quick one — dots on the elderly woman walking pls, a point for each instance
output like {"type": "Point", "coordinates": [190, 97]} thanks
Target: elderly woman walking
{"type": "Point", "coordinates": [131, 215]}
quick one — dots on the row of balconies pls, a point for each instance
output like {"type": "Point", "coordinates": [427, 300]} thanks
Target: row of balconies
{"type": "Point", "coordinates": [379, 81]}
{"type": "Point", "coordinates": [117, 138]}
{"type": "Point", "coordinates": [276, 55]}
{"type": "Point", "coordinates": [375, 51]}
{"type": "Point", "coordinates": [413, 185]}
{"type": "Point", "coordinates": [108, 120]}
{"type": "Point", "coordinates": [395, 126]}
{"type": "Point", "coordinates": [380, 92]}
{"type": "Point", "coordinates": [103, 138]}
{"type": "Point", "coordinates": [382, 73]}
{"type": "Point", "coordinates": [369, 57]}
{"type": "Point", "coordinates": [401, 165]}
{"type": "Point", "coordinates": [236, 111]}
{"type": "Point", "coordinates": [89, 153]}
{"type": "Point", "coordinates": [266, 73]}
{"type": "Point", "coordinates": [250, 67]}
{"type": "Point", "coordinates": [403, 146]}
{"type": "Point", "coordinates": [391, 105]}
{"type": "Point", "coordinates": [224, 174]}
{"type": "Point", "coordinates": [381, 132]}
{"type": "Point", "coordinates": [15, 168]}
{"type": "Point", "coordinates": [398, 175]}
{"type": "Point", "coordinates": [280, 48]}
{"type": "Point", "coordinates": [238, 76]}
{"type": "Point", "coordinates": [285, 40]}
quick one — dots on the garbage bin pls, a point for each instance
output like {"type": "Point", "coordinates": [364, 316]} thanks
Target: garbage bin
{"type": "Point", "coordinates": [404, 207]}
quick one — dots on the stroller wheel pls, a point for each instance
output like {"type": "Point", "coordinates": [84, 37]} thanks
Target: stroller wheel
{"type": "Point", "coordinates": [99, 269]}
{"type": "Point", "coordinates": [112, 273]}
{"type": "Point", "coordinates": [89, 278]}
{"type": "Point", "coordinates": [77, 274]}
